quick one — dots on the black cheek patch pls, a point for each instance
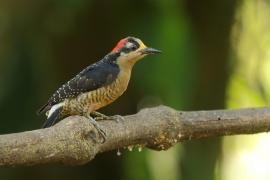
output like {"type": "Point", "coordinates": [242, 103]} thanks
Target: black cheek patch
{"type": "Point", "coordinates": [125, 50]}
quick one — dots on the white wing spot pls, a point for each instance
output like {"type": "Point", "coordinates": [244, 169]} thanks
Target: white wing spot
{"type": "Point", "coordinates": [55, 107]}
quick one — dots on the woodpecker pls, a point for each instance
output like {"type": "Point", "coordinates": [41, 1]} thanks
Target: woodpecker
{"type": "Point", "coordinates": [97, 85]}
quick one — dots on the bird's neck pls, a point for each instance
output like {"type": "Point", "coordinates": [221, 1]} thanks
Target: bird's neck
{"type": "Point", "coordinates": [126, 62]}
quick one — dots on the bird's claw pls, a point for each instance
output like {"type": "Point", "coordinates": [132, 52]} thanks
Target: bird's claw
{"type": "Point", "coordinates": [117, 118]}
{"type": "Point", "coordinates": [100, 116]}
{"type": "Point", "coordinates": [101, 132]}
{"type": "Point", "coordinates": [103, 117]}
{"type": "Point", "coordinates": [103, 135]}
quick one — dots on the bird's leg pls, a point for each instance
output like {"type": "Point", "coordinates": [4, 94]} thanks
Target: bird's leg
{"type": "Point", "coordinates": [100, 116]}
{"type": "Point", "coordinates": [100, 131]}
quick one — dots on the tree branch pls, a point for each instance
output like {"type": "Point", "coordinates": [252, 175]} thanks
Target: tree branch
{"type": "Point", "coordinates": [73, 141]}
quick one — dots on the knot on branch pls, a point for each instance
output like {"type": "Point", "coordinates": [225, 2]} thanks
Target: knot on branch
{"type": "Point", "coordinates": [81, 145]}
{"type": "Point", "coordinates": [169, 127]}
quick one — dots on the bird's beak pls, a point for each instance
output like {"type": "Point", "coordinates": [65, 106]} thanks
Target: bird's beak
{"type": "Point", "coordinates": [149, 50]}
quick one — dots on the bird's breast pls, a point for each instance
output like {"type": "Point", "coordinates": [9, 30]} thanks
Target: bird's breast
{"type": "Point", "coordinates": [93, 100]}
{"type": "Point", "coordinates": [106, 95]}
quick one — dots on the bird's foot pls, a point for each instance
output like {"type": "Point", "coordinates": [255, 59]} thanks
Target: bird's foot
{"type": "Point", "coordinates": [100, 131]}
{"type": "Point", "coordinates": [117, 118]}
{"type": "Point", "coordinates": [100, 116]}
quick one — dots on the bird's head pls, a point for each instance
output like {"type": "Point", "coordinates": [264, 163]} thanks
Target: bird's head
{"type": "Point", "coordinates": [130, 50]}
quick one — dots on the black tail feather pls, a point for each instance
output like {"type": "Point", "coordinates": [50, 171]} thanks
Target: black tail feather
{"type": "Point", "coordinates": [43, 109]}
{"type": "Point", "coordinates": [53, 118]}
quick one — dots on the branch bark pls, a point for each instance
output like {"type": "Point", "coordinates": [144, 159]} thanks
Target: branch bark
{"type": "Point", "coordinates": [73, 141]}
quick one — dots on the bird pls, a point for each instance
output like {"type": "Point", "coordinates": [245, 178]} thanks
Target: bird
{"type": "Point", "coordinates": [97, 85]}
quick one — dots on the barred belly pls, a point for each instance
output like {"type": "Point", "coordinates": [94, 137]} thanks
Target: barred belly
{"type": "Point", "coordinates": [93, 100]}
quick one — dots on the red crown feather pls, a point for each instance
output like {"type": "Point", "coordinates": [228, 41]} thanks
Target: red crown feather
{"type": "Point", "coordinates": [119, 44]}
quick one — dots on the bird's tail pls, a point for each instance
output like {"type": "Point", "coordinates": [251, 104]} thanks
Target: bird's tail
{"type": "Point", "coordinates": [43, 109]}
{"type": "Point", "coordinates": [53, 116]}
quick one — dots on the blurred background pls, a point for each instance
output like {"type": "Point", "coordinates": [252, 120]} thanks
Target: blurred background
{"type": "Point", "coordinates": [216, 56]}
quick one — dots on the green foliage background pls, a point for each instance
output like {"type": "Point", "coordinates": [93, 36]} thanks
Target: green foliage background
{"type": "Point", "coordinates": [44, 43]}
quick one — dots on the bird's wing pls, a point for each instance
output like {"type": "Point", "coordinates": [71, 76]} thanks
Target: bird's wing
{"type": "Point", "coordinates": [91, 78]}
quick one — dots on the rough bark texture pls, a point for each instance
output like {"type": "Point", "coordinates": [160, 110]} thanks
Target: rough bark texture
{"type": "Point", "coordinates": [75, 141]}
